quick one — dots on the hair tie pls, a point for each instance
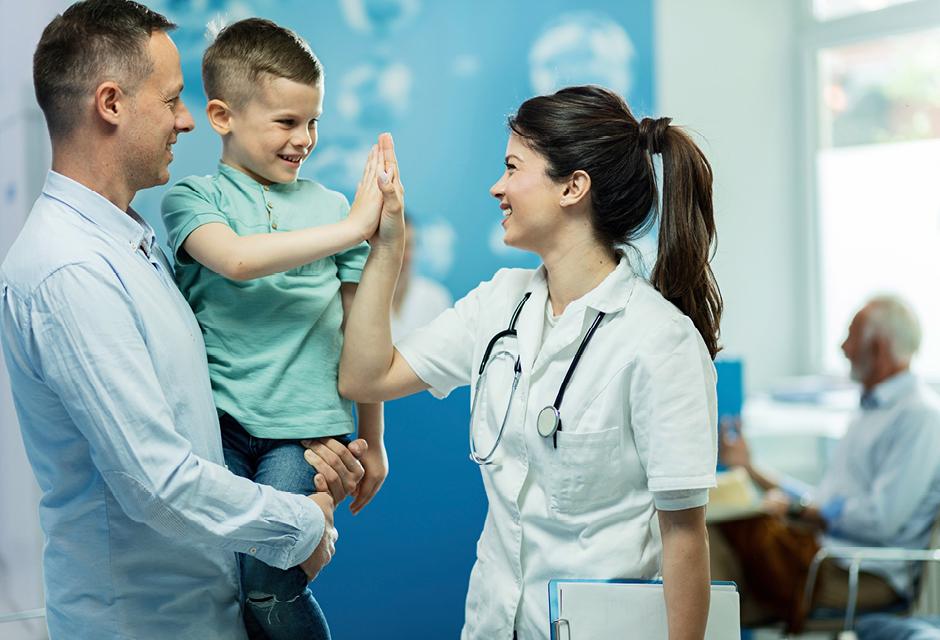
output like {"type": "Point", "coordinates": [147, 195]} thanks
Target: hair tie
{"type": "Point", "coordinates": [652, 134]}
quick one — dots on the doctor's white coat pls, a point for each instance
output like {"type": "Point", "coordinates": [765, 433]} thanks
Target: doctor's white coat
{"type": "Point", "coordinates": [639, 416]}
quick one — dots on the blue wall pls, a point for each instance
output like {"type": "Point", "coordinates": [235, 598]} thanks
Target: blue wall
{"type": "Point", "coordinates": [442, 76]}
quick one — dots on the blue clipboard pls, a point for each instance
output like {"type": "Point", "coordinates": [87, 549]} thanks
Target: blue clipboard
{"type": "Point", "coordinates": [588, 607]}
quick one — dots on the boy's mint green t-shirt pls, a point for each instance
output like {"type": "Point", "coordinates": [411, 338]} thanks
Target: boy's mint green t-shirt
{"type": "Point", "coordinates": [273, 343]}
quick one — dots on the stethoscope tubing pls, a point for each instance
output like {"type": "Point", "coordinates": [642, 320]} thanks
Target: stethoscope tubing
{"type": "Point", "coordinates": [517, 372]}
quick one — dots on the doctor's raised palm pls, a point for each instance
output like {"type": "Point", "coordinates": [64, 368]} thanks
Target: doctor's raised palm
{"type": "Point", "coordinates": [392, 222]}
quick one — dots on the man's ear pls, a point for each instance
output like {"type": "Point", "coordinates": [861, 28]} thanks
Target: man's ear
{"type": "Point", "coordinates": [576, 188]}
{"type": "Point", "coordinates": [881, 349]}
{"type": "Point", "coordinates": [220, 116]}
{"type": "Point", "coordinates": [110, 102]}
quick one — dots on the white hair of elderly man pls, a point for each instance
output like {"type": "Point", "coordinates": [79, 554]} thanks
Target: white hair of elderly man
{"type": "Point", "coordinates": [892, 318]}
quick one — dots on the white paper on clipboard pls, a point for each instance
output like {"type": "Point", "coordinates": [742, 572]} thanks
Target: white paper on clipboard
{"type": "Point", "coordinates": [602, 610]}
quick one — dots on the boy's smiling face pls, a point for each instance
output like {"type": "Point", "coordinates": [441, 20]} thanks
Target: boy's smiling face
{"type": "Point", "coordinates": [273, 133]}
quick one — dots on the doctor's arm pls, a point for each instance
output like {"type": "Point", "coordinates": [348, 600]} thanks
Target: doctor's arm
{"type": "Point", "coordinates": [371, 369]}
{"type": "Point", "coordinates": [371, 427]}
{"type": "Point", "coordinates": [686, 573]}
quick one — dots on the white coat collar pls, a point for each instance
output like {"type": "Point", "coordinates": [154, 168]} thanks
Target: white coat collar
{"type": "Point", "coordinates": [610, 296]}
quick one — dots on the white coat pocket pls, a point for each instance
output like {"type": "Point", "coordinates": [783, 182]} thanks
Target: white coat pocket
{"type": "Point", "coordinates": [589, 471]}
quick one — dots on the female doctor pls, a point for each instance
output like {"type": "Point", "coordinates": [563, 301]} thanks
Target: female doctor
{"type": "Point", "coordinates": [593, 408]}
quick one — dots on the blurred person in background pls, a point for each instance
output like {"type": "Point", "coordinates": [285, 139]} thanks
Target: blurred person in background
{"type": "Point", "coordinates": [881, 488]}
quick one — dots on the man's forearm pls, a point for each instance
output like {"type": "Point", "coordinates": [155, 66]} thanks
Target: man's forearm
{"type": "Point", "coordinates": [761, 478]}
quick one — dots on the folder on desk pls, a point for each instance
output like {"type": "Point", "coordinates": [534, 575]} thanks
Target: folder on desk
{"type": "Point", "coordinates": [605, 609]}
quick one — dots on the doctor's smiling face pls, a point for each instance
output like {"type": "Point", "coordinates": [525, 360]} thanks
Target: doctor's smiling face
{"type": "Point", "coordinates": [529, 198]}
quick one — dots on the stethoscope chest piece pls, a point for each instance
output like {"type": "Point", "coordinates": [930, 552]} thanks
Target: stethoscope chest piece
{"type": "Point", "coordinates": [548, 421]}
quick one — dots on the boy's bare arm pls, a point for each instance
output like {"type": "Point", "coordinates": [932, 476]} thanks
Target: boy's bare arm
{"type": "Point", "coordinates": [217, 247]}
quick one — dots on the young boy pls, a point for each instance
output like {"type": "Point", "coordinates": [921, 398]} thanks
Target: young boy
{"type": "Point", "coordinates": [269, 264]}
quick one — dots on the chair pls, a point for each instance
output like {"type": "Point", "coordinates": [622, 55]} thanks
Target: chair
{"type": "Point", "coordinates": [824, 620]}
{"type": "Point", "coordinates": [925, 599]}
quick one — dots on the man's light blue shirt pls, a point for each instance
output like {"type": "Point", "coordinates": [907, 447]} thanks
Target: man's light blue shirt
{"type": "Point", "coordinates": [882, 486]}
{"type": "Point", "coordinates": [110, 382]}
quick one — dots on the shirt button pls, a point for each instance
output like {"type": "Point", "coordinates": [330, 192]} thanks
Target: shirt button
{"type": "Point", "coordinates": [266, 188]}
{"type": "Point", "coordinates": [270, 206]}
{"type": "Point", "coordinates": [253, 550]}
{"type": "Point", "coordinates": [274, 225]}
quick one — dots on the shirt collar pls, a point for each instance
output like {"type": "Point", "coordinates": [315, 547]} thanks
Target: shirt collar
{"type": "Point", "coordinates": [610, 296]}
{"type": "Point", "coordinates": [127, 227]}
{"type": "Point", "coordinates": [889, 391]}
{"type": "Point", "coordinates": [149, 239]}
{"type": "Point", "coordinates": [248, 182]}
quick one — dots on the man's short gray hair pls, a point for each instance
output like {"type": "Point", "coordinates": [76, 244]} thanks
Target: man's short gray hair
{"type": "Point", "coordinates": [893, 318]}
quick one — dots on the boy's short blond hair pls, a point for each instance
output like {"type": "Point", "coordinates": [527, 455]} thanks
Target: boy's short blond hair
{"type": "Point", "coordinates": [246, 51]}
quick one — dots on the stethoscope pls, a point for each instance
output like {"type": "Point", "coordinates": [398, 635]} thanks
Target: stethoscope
{"type": "Point", "coordinates": [548, 422]}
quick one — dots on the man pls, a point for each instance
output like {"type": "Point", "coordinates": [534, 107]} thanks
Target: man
{"type": "Point", "coordinates": [108, 369]}
{"type": "Point", "coordinates": [881, 488]}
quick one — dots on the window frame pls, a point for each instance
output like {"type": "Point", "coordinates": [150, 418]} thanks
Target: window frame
{"type": "Point", "coordinates": [816, 35]}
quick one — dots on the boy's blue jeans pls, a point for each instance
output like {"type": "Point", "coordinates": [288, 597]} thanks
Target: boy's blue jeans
{"type": "Point", "coordinates": [278, 604]}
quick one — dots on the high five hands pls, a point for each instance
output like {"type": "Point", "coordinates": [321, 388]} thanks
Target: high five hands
{"type": "Point", "coordinates": [379, 201]}
{"type": "Point", "coordinates": [392, 222]}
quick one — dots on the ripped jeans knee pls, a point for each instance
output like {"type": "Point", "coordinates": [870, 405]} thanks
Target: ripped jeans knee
{"type": "Point", "coordinates": [279, 605]}
{"type": "Point", "coordinates": [268, 606]}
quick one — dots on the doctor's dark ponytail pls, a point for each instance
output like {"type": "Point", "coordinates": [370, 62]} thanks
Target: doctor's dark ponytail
{"type": "Point", "coordinates": [592, 129]}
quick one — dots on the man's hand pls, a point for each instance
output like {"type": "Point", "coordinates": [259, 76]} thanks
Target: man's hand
{"type": "Point", "coordinates": [375, 461]}
{"type": "Point", "coordinates": [338, 469]}
{"type": "Point", "coordinates": [322, 555]}
{"type": "Point", "coordinates": [776, 503]}
{"type": "Point", "coordinates": [734, 451]}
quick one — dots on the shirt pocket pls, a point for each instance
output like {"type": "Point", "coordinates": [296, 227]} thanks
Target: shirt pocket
{"type": "Point", "coordinates": [589, 471]}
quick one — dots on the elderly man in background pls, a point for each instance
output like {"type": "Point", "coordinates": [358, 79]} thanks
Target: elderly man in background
{"type": "Point", "coordinates": [108, 369]}
{"type": "Point", "coordinates": [881, 487]}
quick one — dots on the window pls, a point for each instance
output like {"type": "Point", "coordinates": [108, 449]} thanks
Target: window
{"type": "Point", "coordinates": [877, 173]}
{"type": "Point", "coordinates": [831, 9]}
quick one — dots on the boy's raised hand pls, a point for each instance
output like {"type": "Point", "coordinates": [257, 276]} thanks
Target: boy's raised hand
{"type": "Point", "coordinates": [392, 225]}
{"type": "Point", "coordinates": [366, 208]}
